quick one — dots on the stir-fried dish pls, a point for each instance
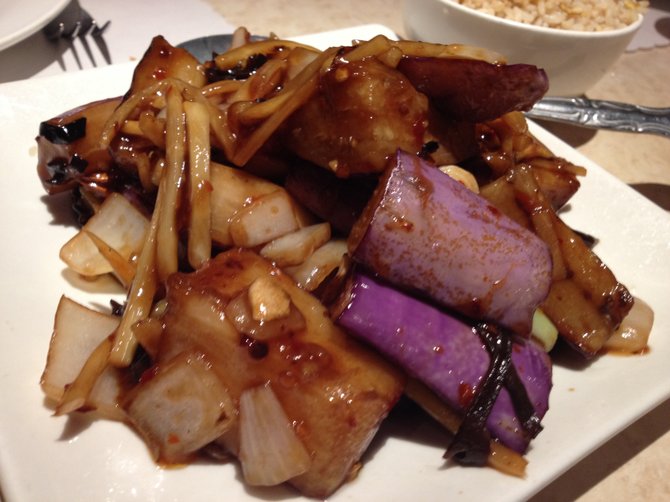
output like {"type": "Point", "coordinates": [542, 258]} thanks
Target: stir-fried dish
{"type": "Point", "coordinates": [307, 237]}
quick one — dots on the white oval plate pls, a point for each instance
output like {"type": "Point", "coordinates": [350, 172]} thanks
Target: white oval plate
{"type": "Point", "coordinates": [20, 19]}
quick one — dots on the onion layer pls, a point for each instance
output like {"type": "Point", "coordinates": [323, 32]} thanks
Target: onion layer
{"type": "Point", "coordinates": [633, 333]}
{"type": "Point", "coordinates": [78, 330]}
{"type": "Point", "coordinates": [181, 406]}
{"type": "Point", "coordinates": [270, 451]}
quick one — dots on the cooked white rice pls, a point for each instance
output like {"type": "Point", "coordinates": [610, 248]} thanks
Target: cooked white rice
{"type": "Point", "coordinates": [583, 15]}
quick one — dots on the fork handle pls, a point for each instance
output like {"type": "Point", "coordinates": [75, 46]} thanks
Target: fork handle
{"type": "Point", "coordinates": [603, 114]}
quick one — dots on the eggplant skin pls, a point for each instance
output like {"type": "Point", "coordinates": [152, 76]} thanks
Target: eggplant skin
{"type": "Point", "coordinates": [475, 91]}
{"type": "Point", "coordinates": [62, 165]}
{"type": "Point", "coordinates": [443, 352]}
{"type": "Point", "coordinates": [428, 234]}
{"type": "Point", "coordinates": [339, 201]}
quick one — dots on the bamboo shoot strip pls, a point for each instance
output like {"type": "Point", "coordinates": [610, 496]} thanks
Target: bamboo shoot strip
{"type": "Point", "coordinates": [142, 292]}
{"type": "Point", "coordinates": [199, 235]}
{"type": "Point", "coordinates": [167, 259]}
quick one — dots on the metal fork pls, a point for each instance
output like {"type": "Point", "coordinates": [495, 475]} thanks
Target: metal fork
{"type": "Point", "coordinates": [74, 22]}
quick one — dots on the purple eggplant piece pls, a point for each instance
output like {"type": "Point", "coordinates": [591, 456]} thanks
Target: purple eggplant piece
{"type": "Point", "coordinates": [443, 352]}
{"type": "Point", "coordinates": [339, 201]}
{"type": "Point", "coordinates": [475, 91]}
{"type": "Point", "coordinates": [425, 232]}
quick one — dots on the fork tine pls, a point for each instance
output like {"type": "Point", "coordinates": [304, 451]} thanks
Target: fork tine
{"type": "Point", "coordinates": [75, 31]}
{"type": "Point", "coordinates": [99, 30]}
{"type": "Point", "coordinates": [90, 30]}
{"type": "Point", "coordinates": [54, 31]}
{"type": "Point", "coordinates": [60, 30]}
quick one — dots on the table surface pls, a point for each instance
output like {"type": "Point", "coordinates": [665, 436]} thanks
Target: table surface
{"type": "Point", "coordinates": [634, 464]}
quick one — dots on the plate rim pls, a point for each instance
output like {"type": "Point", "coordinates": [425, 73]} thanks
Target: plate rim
{"type": "Point", "coordinates": [31, 26]}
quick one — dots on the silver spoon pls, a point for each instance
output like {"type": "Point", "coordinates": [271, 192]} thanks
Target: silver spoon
{"type": "Point", "coordinates": [583, 112]}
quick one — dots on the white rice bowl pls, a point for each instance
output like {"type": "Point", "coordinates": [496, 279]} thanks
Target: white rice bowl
{"type": "Point", "coordinates": [575, 59]}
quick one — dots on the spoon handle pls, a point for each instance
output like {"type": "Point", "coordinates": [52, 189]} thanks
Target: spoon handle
{"type": "Point", "coordinates": [602, 114]}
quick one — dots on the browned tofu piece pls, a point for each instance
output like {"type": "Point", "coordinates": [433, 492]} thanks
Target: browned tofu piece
{"type": "Point", "coordinates": [364, 111]}
{"type": "Point", "coordinates": [335, 391]}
